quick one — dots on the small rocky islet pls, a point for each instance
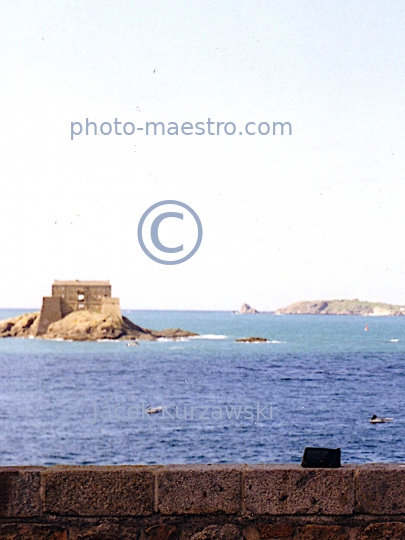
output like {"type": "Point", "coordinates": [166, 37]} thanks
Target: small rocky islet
{"type": "Point", "coordinates": [247, 309]}
{"type": "Point", "coordinates": [252, 340]}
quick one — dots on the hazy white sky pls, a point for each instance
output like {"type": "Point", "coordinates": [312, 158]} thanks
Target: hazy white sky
{"type": "Point", "coordinates": [319, 214]}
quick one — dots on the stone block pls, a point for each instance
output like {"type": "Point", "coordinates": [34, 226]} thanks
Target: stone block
{"type": "Point", "coordinates": [15, 531]}
{"type": "Point", "coordinates": [275, 530]}
{"type": "Point", "coordinates": [251, 533]}
{"type": "Point", "coordinates": [103, 531]}
{"type": "Point", "coordinates": [324, 532]}
{"type": "Point", "coordinates": [384, 531]}
{"type": "Point", "coordinates": [199, 489]}
{"type": "Point", "coordinates": [99, 491]}
{"type": "Point", "coordinates": [380, 489]}
{"type": "Point", "coordinates": [216, 532]}
{"type": "Point", "coordinates": [291, 489]}
{"type": "Point", "coordinates": [161, 532]}
{"type": "Point", "coordinates": [19, 491]}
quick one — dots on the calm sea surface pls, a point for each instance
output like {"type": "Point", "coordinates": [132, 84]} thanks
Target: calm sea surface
{"type": "Point", "coordinates": [316, 384]}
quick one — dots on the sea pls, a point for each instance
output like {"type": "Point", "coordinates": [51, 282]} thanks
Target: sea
{"type": "Point", "coordinates": [316, 382]}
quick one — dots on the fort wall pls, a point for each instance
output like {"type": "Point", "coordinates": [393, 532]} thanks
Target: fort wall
{"type": "Point", "coordinates": [51, 311]}
{"type": "Point", "coordinates": [203, 502]}
{"type": "Point", "coordinates": [111, 306]}
{"type": "Point", "coordinates": [69, 296]}
{"type": "Point", "coordinates": [77, 295]}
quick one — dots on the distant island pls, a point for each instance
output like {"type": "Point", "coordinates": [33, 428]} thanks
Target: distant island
{"type": "Point", "coordinates": [342, 307]}
{"type": "Point", "coordinates": [246, 309]}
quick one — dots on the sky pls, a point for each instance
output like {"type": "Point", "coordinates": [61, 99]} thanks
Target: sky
{"type": "Point", "coordinates": [318, 214]}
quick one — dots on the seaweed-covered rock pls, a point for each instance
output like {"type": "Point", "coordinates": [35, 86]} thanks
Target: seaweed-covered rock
{"type": "Point", "coordinates": [252, 340]}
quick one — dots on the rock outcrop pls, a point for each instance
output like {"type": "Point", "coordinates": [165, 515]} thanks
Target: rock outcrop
{"type": "Point", "coordinates": [252, 340]}
{"type": "Point", "coordinates": [86, 326]}
{"type": "Point", "coordinates": [21, 326]}
{"type": "Point", "coordinates": [342, 307]}
{"type": "Point", "coordinates": [246, 309]}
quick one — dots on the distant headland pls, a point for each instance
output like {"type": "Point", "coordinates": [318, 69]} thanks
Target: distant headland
{"type": "Point", "coordinates": [82, 311]}
{"type": "Point", "coordinates": [342, 307]}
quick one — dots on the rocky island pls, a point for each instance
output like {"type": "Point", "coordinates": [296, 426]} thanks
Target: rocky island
{"type": "Point", "coordinates": [82, 311]}
{"type": "Point", "coordinates": [247, 310]}
{"type": "Point", "coordinates": [342, 307]}
{"type": "Point", "coordinates": [86, 326]}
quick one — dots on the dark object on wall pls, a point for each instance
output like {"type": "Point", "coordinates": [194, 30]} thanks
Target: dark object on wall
{"type": "Point", "coordinates": [321, 458]}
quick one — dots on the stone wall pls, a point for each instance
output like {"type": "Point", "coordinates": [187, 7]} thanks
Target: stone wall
{"type": "Point", "coordinates": [111, 306]}
{"type": "Point", "coordinates": [191, 502]}
{"type": "Point", "coordinates": [78, 295]}
{"type": "Point", "coordinates": [51, 311]}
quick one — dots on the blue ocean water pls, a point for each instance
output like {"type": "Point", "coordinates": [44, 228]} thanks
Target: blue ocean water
{"type": "Point", "coordinates": [315, 384]}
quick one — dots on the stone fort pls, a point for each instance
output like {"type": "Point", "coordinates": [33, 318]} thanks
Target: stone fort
{"type": "Point", "coordinates": [69, 296]}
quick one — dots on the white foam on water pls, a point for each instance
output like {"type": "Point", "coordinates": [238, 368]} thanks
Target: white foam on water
{"type": "Point", "coordinates": [258, 342]}
{"type": "Point", "coordinates": [188, 338]}
{"type": "Point", "coordinates": [173, 339]}
{"type": "Point", "coordinates": [209, 336]}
